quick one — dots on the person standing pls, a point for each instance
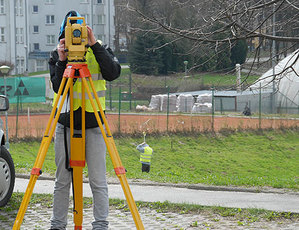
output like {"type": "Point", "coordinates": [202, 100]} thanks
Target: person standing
{"type": "Point", "coordinates": [146, 153]}
{"type": "Point", "coordinates": [103, 66]}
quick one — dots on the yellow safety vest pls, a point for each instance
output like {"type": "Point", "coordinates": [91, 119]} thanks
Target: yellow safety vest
{"type": "Point", "coordinates": [146, 156]}
{"type": "Point", "coordinates": [99, 84]}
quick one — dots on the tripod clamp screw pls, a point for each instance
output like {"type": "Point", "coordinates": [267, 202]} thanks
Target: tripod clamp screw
{"type": "Point", "coordinates": [120, 170]}
{"type": "Point", "coordinates": [36, 171]}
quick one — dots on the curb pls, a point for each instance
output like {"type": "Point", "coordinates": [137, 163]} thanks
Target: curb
{"type": "Point", "coordinates": [186, 186]}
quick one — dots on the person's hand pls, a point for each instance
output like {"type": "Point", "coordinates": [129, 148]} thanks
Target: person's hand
{"type": "Point", "coordinates": [61, 50]}
{"type": "Point", "coordinates": [91, 39]}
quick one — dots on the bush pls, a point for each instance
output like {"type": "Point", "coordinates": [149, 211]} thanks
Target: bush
{"type": "Point", "coordinates": [239, 52]}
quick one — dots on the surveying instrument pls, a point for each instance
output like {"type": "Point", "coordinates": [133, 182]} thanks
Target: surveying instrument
{"type": "Point", "coordinates": [76, 40]}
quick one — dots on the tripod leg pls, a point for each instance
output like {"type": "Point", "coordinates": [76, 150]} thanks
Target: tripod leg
{"type": "Point", "coordinates": [36, 170]}
{"type": "Point", "coordinates": [77, 165]}
{"type": "Point", "coordinates": [118, 168]}
{"type": "Point", "coordinates": [77, 162]}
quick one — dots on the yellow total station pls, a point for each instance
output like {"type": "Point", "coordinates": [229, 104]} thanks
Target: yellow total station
{"type": "Point", "coordinates": [76, 38]}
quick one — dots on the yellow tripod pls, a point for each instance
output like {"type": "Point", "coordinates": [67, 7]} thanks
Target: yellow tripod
{"type": "Point", "coordinates": [77, 159]}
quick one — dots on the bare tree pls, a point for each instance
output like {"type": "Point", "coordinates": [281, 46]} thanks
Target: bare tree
{"type": "Point", "coordinates": [242, 18]}
{"type": "Point", "coordinates": [210, 24]}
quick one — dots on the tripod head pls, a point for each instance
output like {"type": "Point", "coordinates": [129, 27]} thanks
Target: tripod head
{"type": "Point", "coordinates": [76, 39]}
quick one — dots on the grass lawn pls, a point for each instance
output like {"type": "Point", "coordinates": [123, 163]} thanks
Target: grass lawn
{"type": "Point", "coordinates": [239, 159]}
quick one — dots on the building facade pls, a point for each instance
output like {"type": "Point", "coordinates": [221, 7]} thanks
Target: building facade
{"type": "Point", "coordinates": [29, 28]}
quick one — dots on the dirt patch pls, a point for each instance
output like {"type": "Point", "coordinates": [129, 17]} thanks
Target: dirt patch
{"type": "Point", "coordinates": [35, 125]}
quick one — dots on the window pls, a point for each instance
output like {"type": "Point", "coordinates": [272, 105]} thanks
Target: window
{"type": "Point", "coordinates": [19, 35]}
{"type": "Point", "coordinates": [100, 1]}
{"type": "Point", "coordinates": [35, 46]}
{"type": "Point", "coordinates": [20, 65]}
{"type": "Point", "coordinates": [2, 34]}
{"type": "Point", "coordinates": [50, 19]}
{"type": "Point", "coordinates": [2, 7]}
{"type": "Point", "coordinates": [35, 9]}
{"type": "Point", "coordinates": [19, 7]}
{"type": "Point", "coordinates": [50, 39]}
{"type": "Point", "coordinates": [101, 19]}
{"type": "Point", "coordinates": [40, 65]}
{"type": "Point", "coordinates": [35, 29]}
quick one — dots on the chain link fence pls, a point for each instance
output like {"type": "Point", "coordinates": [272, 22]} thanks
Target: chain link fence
{"type": "Point", "coordinates": [163, 107]}
{"type": "Point", "coordinates": [167, 104]}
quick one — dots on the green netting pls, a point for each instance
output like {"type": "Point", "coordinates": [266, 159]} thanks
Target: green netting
{"type": "Point", "coordinates": [24, 89]}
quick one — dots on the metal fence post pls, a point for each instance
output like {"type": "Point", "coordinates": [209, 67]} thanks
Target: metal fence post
{"type": "Point", "coordinates": [273, 60]}
{"type": "Point", "coordinates": [110, 94]}
{"type": "Point", "coordinates": [167, 120]}
{"type": "Point", "coordinates": [260, 107]}
{"type": "Point", "coordinates": [221, 106]}
{"type": "Point", "coordinates": [17, 117]}
{"type": "Point", "coordinates": [6, 119]}
{"type": "Point", "coordinates": [213, 108]}
{"type": "Point", "coordinates": [130, 90]}
{"type": "Point", "coordinates": [119, 107]}
{"type": "Point", "coordinates": [186, 101]}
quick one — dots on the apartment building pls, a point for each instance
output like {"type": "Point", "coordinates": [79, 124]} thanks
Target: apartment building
{"type": "Point", "coordinates": [29, 28]}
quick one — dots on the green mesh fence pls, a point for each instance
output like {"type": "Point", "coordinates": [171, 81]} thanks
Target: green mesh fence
{"type": "Point", "coordinates": [24, 89]}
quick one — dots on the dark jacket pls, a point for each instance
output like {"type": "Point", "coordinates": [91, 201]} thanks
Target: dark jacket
{"type": "Point", "coordinates": [110, 70]}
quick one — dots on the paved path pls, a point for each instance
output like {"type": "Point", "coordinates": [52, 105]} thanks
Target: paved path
{"type": "Point", "coordinates": [37, 218]}
{"type": "Point", "coordinates": [269, 201]}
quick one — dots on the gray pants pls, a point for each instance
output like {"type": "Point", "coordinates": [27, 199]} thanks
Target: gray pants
{"type": "Point", "coordinates": [96, 162]}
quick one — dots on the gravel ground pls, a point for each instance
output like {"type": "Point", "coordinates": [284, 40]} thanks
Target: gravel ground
{"type": "Point", "coordinates": [38, 216]}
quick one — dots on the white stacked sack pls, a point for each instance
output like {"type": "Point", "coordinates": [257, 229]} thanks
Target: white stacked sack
{"type": "Point", "coordinates": [185, 103]}
{"type": "Point", "coordinates": [155, 103]}
{"type": "Point", "coordinates": [202, 108]}
{"type": "Point", "coordinates": [172, 103]}
{"type": "Point", "coordinates": [204, 98]}
{"type": "Point", "coordinates": [203, 104]}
